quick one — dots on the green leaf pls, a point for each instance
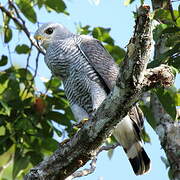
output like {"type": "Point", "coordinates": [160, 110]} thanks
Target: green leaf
{"type": "Point", "coordinates": [24, 75]}
{"type": "Point", "coordinates": [102, 34]}
{"type": "Point", "coordinates": [83, 30]}
{"type": "Point", "coordinates": [57, 5]}
{"type": "Point", "coordinates": [116, 52]}
{"type": "Point", "coordinates": [149, 115]}
{"type": "Point", "coordinates": [5, 142]}
{"type": "Point", "coordinates": [27, 9]}
{"type": "Point", "coordinates": [166, 97]}
{"type": "Point", "coordinates": [50, 144]}
{"type": "Point", "coordinates": [177, 99]}
{"type": "Point", "coordinates": [110, 153]}
{"type": "Point", "coordinates": [170, 173]}
{"type": "Point", "coordinates": [57, 117]}
{"type": "Point", "coordinates": [20, 162]}
{"type": "Point", "coordinates": [171, 29]}
{"type": "Point", "coordinates": [53, 84]}
{"type": "Point", "coordinates": [178, 22]}
{"type": "Point", "coordinates": [163, 15]}
{"type": "Point", "coordinates": [22, 49]}
{"type": "Point", "coordinates": [7, 109]}
{"type": "Point", "coordinates": [127, 2]}
{"type": "Point", "coordinates": [157, 32]}
{"type": "Point", "coordinates": [2, 131]}
{"type": "Point", "coordinates": [40, 3]}
{"type": "Point", "coordinates": [145, 136]}
{"type": "Point", "coordinates": [175, 61]}
{"type": "Point", "coordinates": [4, 60]}
{"type": "Point", "coordinates": [7, 34]}
{"type": "Point", "coordinates": [35, 157]}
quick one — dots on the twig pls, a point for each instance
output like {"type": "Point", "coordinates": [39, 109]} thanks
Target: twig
{"type": "Point", "coordinates": [156, 77]}
{"type": "Point", "coordinates": [10, 59]}
{"type": "Point", "coordinates": [27, 65]}
{"type": "Point", "coordinates": [16, 11]}
{"type": "Point", "coordinates": [20, 24]}
{"type": "Point", "coordinates": [107, 148]}
{"type": "Point", "coordinates": [35, 73]}
{"type": "Point", "coordinates": [49, 85]}
{"type": "Point", "coordinates": [92, 168]}
{"type": "Point", "coordinates": [171, 10]}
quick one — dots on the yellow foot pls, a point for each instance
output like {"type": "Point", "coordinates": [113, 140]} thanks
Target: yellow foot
{"type": "Point", "coordinates": [81, 123]}
{"type": "Point", "coordinates": [64, 142]}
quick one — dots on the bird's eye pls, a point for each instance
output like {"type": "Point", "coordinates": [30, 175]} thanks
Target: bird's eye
{"type": "Point", "coordinates": [49, 31]}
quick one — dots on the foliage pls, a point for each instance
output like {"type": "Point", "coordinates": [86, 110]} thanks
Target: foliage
{"type": "Point", "coordinates": [27, 117]}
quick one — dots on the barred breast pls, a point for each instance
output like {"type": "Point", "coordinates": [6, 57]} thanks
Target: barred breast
{"type": "Point", "coordinates": [66, 61]}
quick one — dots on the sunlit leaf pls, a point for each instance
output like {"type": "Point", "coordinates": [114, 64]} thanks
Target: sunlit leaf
{"type": "Point", "coordinates": [166, 98]}
{"type": "Point", "coordinates": [127, 2]}
{"type": "Point", "coordinates": [22, 49]}
{"type": "Point", "coordinates": [84, 29]}
{"type": "Point", "coordinates": [102, 34]}
{"type": "Point", "coordinates": [27, 9]}
{"type": "Point", "coordinates": [163, 15]}
{"type": "Point", "coordinates": [145, 136]}
{"type": "Point", "coordinates": [110, 153]}
{"type": "Point", "coordinates": [149, 115]}
{"type": "Point", "coordinates": [7, 109]}
{"type": "Point", "coordinates": [3, 60]}
{"type": "Point", "coordinates": [116, 52]}
{"type": "Point", "coordinates": [57, 5]}
{"type": "Point", "coordinates": [177, 99]}
{"type": "Point", "coordinates": [7, 34]}
{"type": "Point", "coordinates": [178, 22]}
{"type": "Point", "coordinates": [157, 32]}
{"type": "Point", "coordinates": [20, 162]}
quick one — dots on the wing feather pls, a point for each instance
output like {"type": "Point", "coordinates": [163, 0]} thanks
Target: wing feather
{"type": "Point", "coordinates": [100, 59]}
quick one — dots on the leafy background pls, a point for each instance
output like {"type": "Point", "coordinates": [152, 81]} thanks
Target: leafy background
{"type": "Point", "coordinates": [34, 112]}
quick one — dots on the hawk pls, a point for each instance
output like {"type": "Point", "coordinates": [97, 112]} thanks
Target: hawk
{"type": "Point", "coordinates": [89, 73]}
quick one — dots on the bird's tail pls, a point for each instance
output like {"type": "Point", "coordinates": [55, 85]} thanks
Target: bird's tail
{"type": "Point", "coordinates": [125, 133]}
{"type": "Point", "coordinates": [138, 158]}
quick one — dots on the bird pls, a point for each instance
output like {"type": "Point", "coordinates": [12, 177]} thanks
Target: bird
{"type": "Point", "coordinates": [89, 73]}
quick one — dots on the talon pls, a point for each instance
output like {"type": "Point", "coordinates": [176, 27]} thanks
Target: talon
{"type": "Point", "coordinates": [64, 142]}
{"type": "Point", "coordinates": [80, 124]}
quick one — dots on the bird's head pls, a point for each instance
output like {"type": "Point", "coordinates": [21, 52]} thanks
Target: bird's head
{"type": "Point", "coordinates": [49, 32]}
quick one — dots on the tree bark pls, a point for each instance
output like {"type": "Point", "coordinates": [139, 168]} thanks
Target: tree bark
{"type": "Point", "coordinates": [167, 129]}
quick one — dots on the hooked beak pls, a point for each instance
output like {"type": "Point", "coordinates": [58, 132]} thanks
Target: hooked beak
{"type": "Point", "coordinates": [38, 37]}
{"type": "Point", "coordinates": [39, 40]}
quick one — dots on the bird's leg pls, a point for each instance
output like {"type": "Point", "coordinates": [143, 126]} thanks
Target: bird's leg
{"type": "Point", "coordinates": [64, 142]}
{"type": "Point", "coordinates": [80, 124]}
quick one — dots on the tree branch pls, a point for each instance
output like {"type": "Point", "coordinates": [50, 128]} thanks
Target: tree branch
{"type": "Point", "coordinates": [157, 77]}
{"type": "Point", "coordinates": [83, 146]}
{"type": "Point", "coordinates": [17, 20]}
{"type": "Point", "coordinates": [168, 131]}
{"type": "Point", "coordinates": [92, 168]}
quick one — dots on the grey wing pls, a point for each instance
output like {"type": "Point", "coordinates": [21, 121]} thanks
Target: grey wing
{"type": "Point", "coordinates": [137, 117]}
{"type": "Point", "coordinates": [100, 59]}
